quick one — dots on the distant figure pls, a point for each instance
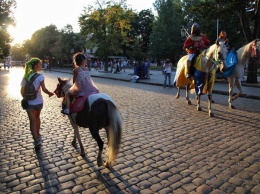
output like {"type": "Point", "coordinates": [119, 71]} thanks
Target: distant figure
{"type": "Point", "coordinates": [168, 72]}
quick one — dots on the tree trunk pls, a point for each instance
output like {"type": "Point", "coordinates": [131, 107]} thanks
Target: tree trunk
{"type": "Point", "coordinates": [252, 71]}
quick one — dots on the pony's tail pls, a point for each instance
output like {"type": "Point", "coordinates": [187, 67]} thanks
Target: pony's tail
{"type": "Point", "coordinates": [114, 131]}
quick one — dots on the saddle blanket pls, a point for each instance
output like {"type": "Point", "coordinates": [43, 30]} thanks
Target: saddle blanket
{"type": "Point", "coordinates": [78, 103]}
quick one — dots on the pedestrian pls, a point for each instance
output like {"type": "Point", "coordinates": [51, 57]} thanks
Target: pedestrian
{"type": "Point", "coordinates": [167, 72]}
{"type": "Point", "coordinates": [82, 82]}
{"type": "Point", "coordinates": [194, 44]}
{"type": "Point", "coordinates": [35, 106]}
{"type": "Point", "coordinates": [147, 65]}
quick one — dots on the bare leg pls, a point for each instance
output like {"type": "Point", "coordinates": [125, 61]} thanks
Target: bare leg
{"type": "Point", "coordinates": [33, 124]}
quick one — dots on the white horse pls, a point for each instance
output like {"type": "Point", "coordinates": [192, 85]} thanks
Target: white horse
{"type": "Point", "coordinates": [251, 49]}
{"type": "Point", "coordinates": [204, 76]}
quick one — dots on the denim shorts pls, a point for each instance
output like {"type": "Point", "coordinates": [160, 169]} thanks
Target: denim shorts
{"type": "Point", "coordinates": [34, 107]}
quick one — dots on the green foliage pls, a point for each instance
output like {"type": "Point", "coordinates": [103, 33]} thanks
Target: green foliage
{"type": "Point", "coordinates": [6, 19]}
{"type": "Point", "coordinates": [108, 24]}
{"type": "Point", "coordinates": [18, 53]}
{"type": "Point", "coordinates": [165, 40]}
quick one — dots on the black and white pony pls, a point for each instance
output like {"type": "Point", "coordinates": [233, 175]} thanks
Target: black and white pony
{"type": "Point", "coordinates": [99, 112]}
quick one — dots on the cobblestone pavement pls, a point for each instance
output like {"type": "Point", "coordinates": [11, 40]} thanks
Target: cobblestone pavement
{"type": "Point", "coordinates": [167, 146]}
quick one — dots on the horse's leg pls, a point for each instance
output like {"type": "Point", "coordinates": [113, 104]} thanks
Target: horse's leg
{"type": "Point", "coordinates": [76, 134]}
{"type": "Point", "coordinates": [95, 134]}
{"type": "Point", "coordinates": [187, 94]}
{"type": "Point", "coordinates": [238, 84]}
{"type": "Point", "coordinates": [231, 85]}
{"type": "Point", "coordinates": [198, 103]}
{"type": "Point", "coordinates": [178, 93]}
{"type": "Point", "coordinates": [211, 113]}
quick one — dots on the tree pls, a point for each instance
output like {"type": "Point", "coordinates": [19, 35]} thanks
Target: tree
{"type": "Point", "coordinates": [6, 19]}
{"type": "Point", "coordinates": [108, 24]}
{"type": "Point", "coordinates": [42, 41]}
{"type": "Point", "coordinates": [165, 40]}
{"type": "Point", "coordinates": [139, 35]}
{"type": "Point", "coordinates": [67, 44]}
{"type": "Point", "coordinates": [18, 53]}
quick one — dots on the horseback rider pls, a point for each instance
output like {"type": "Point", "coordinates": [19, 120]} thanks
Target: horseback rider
{"type": "Point", "coordinates": [194, 44]}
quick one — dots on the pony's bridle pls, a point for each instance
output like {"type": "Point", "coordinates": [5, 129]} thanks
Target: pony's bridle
{"type": "Point", "coordinates": [58, 91]}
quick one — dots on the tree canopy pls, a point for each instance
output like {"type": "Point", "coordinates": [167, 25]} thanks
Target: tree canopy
{"type": "Point", "coordinates": [6, 19]}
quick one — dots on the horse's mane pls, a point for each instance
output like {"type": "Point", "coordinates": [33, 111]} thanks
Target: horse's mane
{"type": "Point", "coordinates": [68, 85]}
{"type": "Point", "coordinates": [241, 52]}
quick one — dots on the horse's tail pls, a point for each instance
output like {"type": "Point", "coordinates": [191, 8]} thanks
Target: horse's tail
{"type": "Point", "coordinates": [114, 131]}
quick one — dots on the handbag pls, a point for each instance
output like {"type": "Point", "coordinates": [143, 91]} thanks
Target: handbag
{"type": "Point", "coordinates": [24, 104]}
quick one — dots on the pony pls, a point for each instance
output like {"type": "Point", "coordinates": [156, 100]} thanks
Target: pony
{"type": "Point", "coordinates": [204, 74]}
{"type": "Point", "coordinates": [99, 111]}
{"type": "Point", "coordinates": [251, 49]}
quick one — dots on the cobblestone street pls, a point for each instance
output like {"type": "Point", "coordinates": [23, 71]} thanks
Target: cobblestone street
{"type": "Point", "coordinates": [167, 145]}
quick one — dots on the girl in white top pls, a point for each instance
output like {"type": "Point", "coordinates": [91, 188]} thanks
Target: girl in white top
{"type": "Point", "coordinates": [34, 106]}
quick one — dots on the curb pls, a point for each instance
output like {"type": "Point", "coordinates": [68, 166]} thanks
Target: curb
{"type": "Point", "coordinates": [158, 84]}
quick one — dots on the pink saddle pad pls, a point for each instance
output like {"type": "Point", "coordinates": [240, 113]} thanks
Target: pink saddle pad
{"type": "Point", "coordinates": [78, 104]}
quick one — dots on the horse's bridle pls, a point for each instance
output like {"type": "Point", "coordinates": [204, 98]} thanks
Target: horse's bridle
{"type": "Point", "coordinates": [254, 48]}
{"type": "Point", "coordinates": [217, 61]}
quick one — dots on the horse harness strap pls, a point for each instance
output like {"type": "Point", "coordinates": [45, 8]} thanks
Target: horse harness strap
{"type": "Point", "coordinates": [214, 61]}
{"type": "Point", "coordinates": [253, 49]}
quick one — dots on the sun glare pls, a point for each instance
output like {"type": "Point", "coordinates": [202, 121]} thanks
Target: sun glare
{"type": "Point", "coordinates": [15, 77]}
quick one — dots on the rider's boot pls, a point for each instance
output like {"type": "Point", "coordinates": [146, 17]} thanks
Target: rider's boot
{"type": "Point", "coordinates": [188, 64]}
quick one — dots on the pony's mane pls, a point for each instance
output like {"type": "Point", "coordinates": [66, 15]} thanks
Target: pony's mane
{"type": "Point", "coordinates": [68, 84]}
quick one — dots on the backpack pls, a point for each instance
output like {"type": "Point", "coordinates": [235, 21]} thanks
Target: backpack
{"type": "Point", "coordinates": [30, 93]}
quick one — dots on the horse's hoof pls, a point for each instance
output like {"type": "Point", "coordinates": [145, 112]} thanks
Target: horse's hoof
{"type": "Point", "coordinates": [211, 114]}
{"type": "Point", "coordinates": [212, 101]}
{"type": "Point", "coordinates": [199, 108]}
{"type": "Point", "coordinates": [232, 107]}
{"type": "Point", "coordinates": [177, 96]}
{"type": "Point", "coordinates": [189, 102]}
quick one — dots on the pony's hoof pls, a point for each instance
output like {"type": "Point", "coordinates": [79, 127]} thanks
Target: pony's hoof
{"type": "Point", "coordinates": [212, 101]}
{"type": "Point", "coordinates": [199, 108]}
{"type": "Point", "coordinates": [107, 164]}
{"type": "Point", "coordinates": [177, 96]}
{"type": "Point", "coordinates": [74, 144]}
{"type": "Point", "coordinates": [188, 102]}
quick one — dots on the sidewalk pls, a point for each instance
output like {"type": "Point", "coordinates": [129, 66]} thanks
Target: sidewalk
{"type": "Point", "coordinates": [156, 78]}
